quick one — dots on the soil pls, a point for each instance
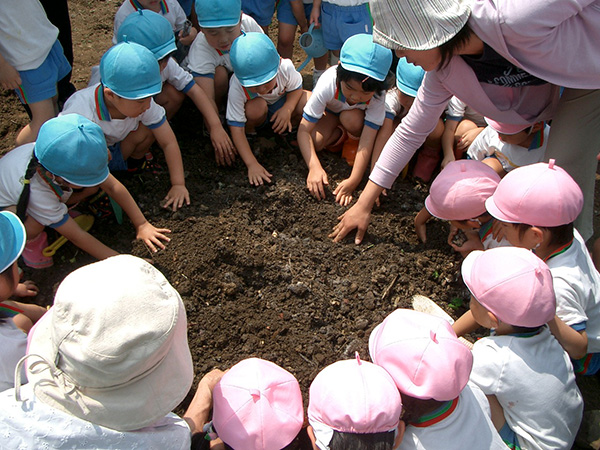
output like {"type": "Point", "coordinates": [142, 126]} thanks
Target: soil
{"type": "Point", "coordinates": [254, 266]}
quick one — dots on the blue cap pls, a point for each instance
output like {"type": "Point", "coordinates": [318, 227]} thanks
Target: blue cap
{"type": "Point", "coordinates": [360, 54]}
{"type": "Point", "coordinates": [149, 29]}
{"type": "Point", "coordinates": [73, 148]}
{"type": "Point", "coordinates": [254, 59]}
{"type": "Point", "coordinates": [12, 239]}
{"type": "Point", "coordinates": [131, 71]}
{"type": "Point", "coordinates": [218, 13]}
{"type": "Point", "coordinates": [408, 77]}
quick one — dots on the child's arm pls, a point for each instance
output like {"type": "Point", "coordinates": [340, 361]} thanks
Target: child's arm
{"type": "Point", "coordinates": [421, 220]}
{"type": "Point", "coordinates": [448, 141]}
{"type": "Point", "coordinates": [465, 324]}
{"type": "Point", "coordinates": [317, 177]}
{"type": "Point", "coordinates": [207, 84]}
{"type": "Point", "coordinates": [282, 119]}
{"type": "Point", "coordinates": [144, 230]}
{"type": "Point", "coordinates": [84, 240]}
{"type": "Point", "coordinates": [9, 76]}
{"type": "Point", "coordinates": [257, 174]}
{"type": "Point", "coordinates": [26, 289]}
{"type": "Point", "coordinates": [574, 342]}
{"type": "Point", "coordinates": [473, 242]}
{"type": "Point", "coordinates": [343, 191]}
{"type": "Point", "coordinates": [198, 413]}
{"type": "Point", "coordinates": [178, 194]}
{"type": "Point", "coordinates": [298, 12]}
{"type": "Point", "coordinates": [315, 13]}
{"type": "Point", "coordinates": [224, 149]}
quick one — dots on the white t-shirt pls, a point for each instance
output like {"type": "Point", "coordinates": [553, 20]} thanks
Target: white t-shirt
{"type": "Point", "coordinates": [326, 95]}
{"type": "Point", "coordinates": [346, 2]}
{"type": "Point", "coordinates": [532, 378]}
{"type": "Point", "coordinates": [90, 103]}
{"type": "Point", "coordinates": [488, 143]}
{"type": "Point", "coordinates": [45, 205]}
{"type": "Point", "coordinates": [288, 79]}
{"type": "Point", "coordinates": [393, 107]}
{"type": "Point", "coordinates": [577, 289]}
{"type": "Point", "coordinates": [26, 34]}
{"type": "Point", "coordinates": [32, 424]}
{"type": "Point", "coordinates": [468, 427]}
{"type": "Point", "coordinates": [170, 9]}
{"type": "Point", "coordinates": [459, 110]}
{"type": "Point", "coordinates": [14, 345]}
{"type": "Point", "coordinates": [204, 59]}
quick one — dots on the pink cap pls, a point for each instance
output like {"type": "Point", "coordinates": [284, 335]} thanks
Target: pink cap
{"type": "Point", "coordinates": [355, 396]}
{"type": "Point", "coordinates": [257, 405]}
{"type": "Point", "coordinates": [422, 354]}
{"type": "Point", "coordinates": [460, 190]}
{"type": "Point", "coordinates": [512, 283]}
{"type": "Point", "coordinates": [506, 128]}
{"type": "Point", "coordinates": [541, 194]}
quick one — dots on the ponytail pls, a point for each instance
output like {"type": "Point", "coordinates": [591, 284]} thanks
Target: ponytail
{"type": "Point", "coordinates": [24, 198]}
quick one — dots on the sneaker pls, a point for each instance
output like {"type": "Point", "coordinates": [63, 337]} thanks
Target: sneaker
{"type": "Point", "coordinates": [32, 253]}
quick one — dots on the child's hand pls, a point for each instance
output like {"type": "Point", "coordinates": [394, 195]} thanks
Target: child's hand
{"type": "Point", "coordinates": [472, 243]}
{"type": "Point", "coordinates": [343, 192]}
{"type": "Point", "coordinates": [316, 182]}
{"type": "Point", "coordinates": [498, 232]}
{"type": "Point", "coordinates": [9, 77]}
{"type": "Point", "coordinates": [187, 40]}
{"type": "Point", "coordinates": [177, 195]}
{"type": "Point", "coordinates": [152, 236]}
{"type": "Point", "coordinates": [26, 289]}
{"type": "Point", "coordinates": [282, 121]}
{"type": "Point", "coordinates": [315, 13]}
{"type": "Point", "coordinates": [447, 159]}
{"type": "Point", "coordinates": [257, 175]}
{"type": "Point", "coordinates": [224, 149]}
{"type": "Point", "coordinates": [467, 139]}
{"type": "Point", "coordinates": [420, 225]}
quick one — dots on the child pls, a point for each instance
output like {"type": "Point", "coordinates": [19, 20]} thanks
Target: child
{"type": "Point", "coordinates": [261, 11]}
{"type": "Point", "coordinates": [342, 19]}
{"type": "Point", "coordinates": [292, 14]}
{"type": "Point", "coordinates": [354, 404]}
{"type": "Point", "coordinates": [154, 32]}
{"type": "Point", "coordinates": [458, 194]}
{"type": "Point", "coordinates": [122, 105]}
{"type": "Point", "coordinates": [264, 88]}
{"type": "Point", "coordinates": [461, 126]}
{"type": "Point", "coordinates": [221, 22]}
{"type": "Point", "coordinates": [505, 147]}
{"type": "Point", "coordinates": [38, 179]}
{"type": "Point", "coordinates": [397, 103]}
{"type": "Point", "coordinates": [537, 205]}
{"type": "Point", "coordinates": [256, 405]}
{"type": "Point", "coordinates": [31, 61]}
{"type": "Point", "coordinates": [169, 9]}
{"type": "Point", "coordinates": [522, 369]}
{"type": "Point", "coordinates": [351, 95]}
{"type": "Point", "coordinates": [431, 368]}
{"type": "Point", "coordinates": [16, 319]}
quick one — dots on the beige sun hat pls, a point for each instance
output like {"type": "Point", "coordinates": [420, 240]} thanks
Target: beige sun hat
{"type": "Point", "coordinates": [113, 349]}
{"type": "Point", "coordinates": [417, 24]}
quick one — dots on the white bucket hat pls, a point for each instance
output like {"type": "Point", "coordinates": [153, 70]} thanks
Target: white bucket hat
{"type": "Point", "coordinates": [113, 349]}
{"type": "Point", "coordinates": [417, 24]}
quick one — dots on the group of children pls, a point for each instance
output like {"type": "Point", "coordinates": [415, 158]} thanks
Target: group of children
{"type": "Point", "coordinates": [532, 280]}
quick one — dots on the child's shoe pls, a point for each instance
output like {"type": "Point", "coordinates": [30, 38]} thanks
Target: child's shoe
{"type": "Point", "coordinates": [349, 149]}
{"type": "Point", "coordinates": [427, 160]}
{"type": "Point", "coordinates": [32, 254]}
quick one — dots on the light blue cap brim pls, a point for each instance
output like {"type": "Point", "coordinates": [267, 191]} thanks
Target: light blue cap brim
{"type": "Point", "coordinates": [164, 50]}
{"type": "Point", "coordinates": [262, 79]}
{"type": "Point", "coordinates": [138, 93]}
{"type": "Point", "coordinates": [12, 239]}
{"type": "Point", "coordinates": [365, 71]}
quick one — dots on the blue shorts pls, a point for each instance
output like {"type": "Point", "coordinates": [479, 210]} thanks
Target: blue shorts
{"type": "Point", "coordinates": [509, 437]}
{"type": "Point", "coordinates": [40, 83]}
{"type": "Point", "coordinates": [260, 10]}
{"type": "Point", "coordinates": [285, 14]}
{"type": "Point", "coordinates": [588, 365]}
{"type": "Point", "coordinates": [342, 22]}
{"type": "Point", "coordinates": [116, 163]}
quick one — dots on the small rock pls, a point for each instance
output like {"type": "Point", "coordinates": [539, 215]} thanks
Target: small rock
{"type": "Point", "coordinates": [299, 289]}
{"type": "Point", "coordinates": [361, 324]}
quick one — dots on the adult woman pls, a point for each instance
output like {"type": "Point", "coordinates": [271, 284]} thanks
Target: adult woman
{"type": "Point", "coordinates": [506, 60]}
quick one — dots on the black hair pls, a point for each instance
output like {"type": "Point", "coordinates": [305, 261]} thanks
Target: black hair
{"type": "Point", "coordinates": [559, 235]}
{"type": "Point", "coordinates": [415, 408]}
{"type": "Point", "coordinates": [450, 48]}
{"type": "Point", "coordinates": [367, 84]}
{"type": "Point", "coordinates": [354, 441]}
{"type": "Point", "coordinates": [24, 197]}
{"type": "Point", "coordinates": [8, 273]}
